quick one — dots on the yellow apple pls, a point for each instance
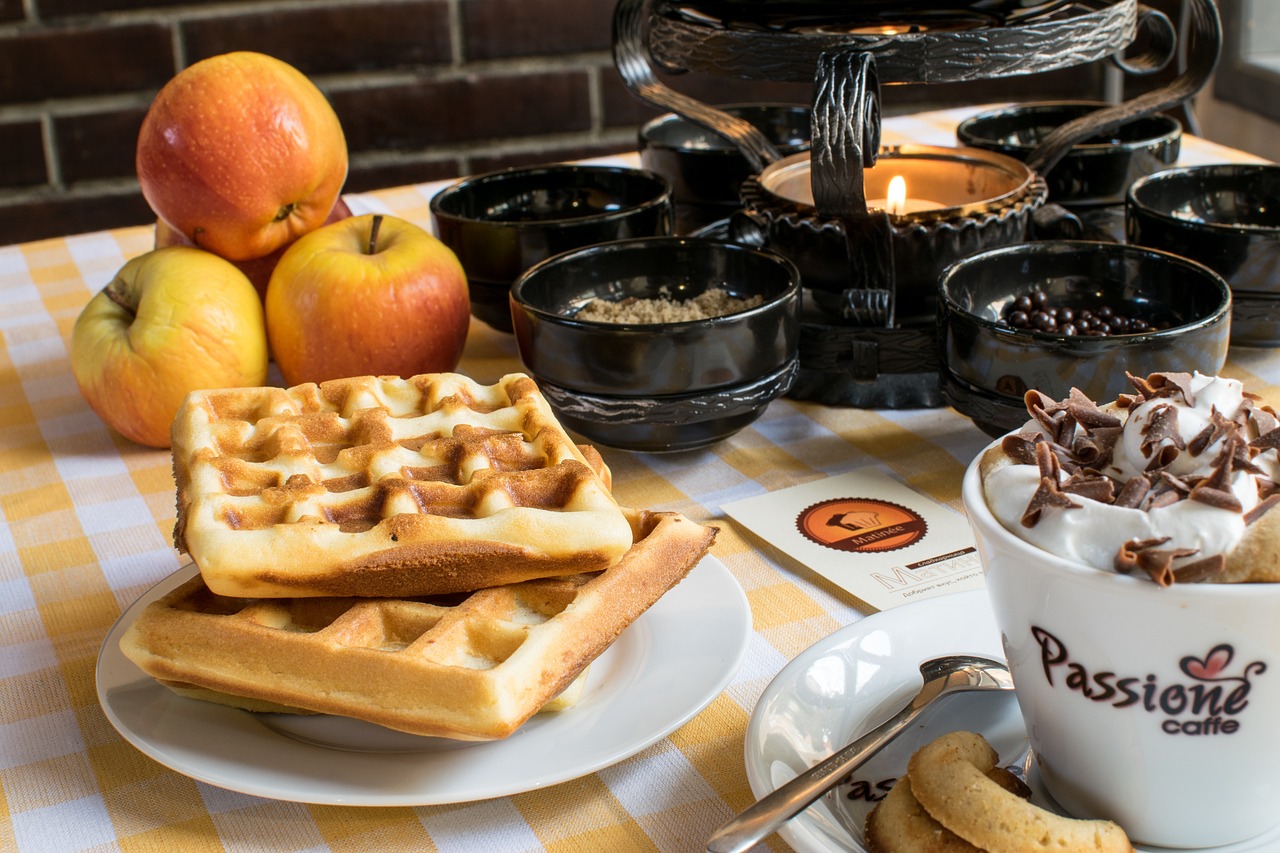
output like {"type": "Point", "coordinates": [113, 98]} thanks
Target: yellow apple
{"type": "Point", "coordinates": [368, 295]}
{"type": "Point", "coordinates": [172, 321]}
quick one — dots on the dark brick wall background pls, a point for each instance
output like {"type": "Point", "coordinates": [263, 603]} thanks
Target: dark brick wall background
{"type": "Point", "coordinates": [425, 89]}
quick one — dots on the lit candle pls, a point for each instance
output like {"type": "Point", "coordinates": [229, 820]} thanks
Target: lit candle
{"type": "Point", "coordinates": [897, 202]}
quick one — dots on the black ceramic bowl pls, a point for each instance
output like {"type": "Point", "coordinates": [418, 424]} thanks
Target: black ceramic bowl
{"type": "Point", "coordinates": [1228, 218]}
{"type": "Point", "coordinates": [658, 386]}
{"type": "Point", "coordinates": [988, 365]}
{"type": "Point", "coordinates": [1094, 172]}
{"type": "Point", "coordinates": [706, 170]}
{"type": "Point", "coordinates": [502, 223]}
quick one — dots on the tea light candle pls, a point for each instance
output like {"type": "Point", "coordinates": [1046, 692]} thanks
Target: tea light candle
{"type": "Point", "coordinates": [896, 203]}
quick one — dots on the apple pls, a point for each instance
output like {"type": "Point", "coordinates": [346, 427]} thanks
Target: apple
{"type": "Point", "coordinates": [369, 295]}
{"type": "Point", "coordinates": [242, 154]}
{"type": "Point", "coordinates": [172, 321]}
{"type": "Point", "coordinates": [257, 269]}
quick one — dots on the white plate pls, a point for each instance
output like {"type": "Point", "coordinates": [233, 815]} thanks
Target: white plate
{"type": "Point", "coordinates": [665, 668]}
{"type": "Point", "coordinates": [850, 682]}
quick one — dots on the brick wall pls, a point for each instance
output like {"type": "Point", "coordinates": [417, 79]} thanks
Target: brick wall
{"type": "Point", "coordinates": [425, 89]}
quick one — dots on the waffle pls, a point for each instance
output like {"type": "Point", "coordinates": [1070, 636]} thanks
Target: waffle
{"type": "Point", "coordinates": [388, 487]}
{"type": "Point", "coordinates": [475, 667]}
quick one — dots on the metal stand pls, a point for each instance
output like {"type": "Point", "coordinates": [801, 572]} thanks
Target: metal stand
{"type": "Point", "coordinates": [789, 41]}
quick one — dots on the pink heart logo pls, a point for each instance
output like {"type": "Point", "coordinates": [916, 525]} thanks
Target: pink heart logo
{"type": "Point", "coordinates": [1212, 664]}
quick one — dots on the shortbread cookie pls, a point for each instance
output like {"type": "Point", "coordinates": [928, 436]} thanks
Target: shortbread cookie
{"type": "Point", "coordinates": [471, 667]}
{"type": "Point", "coordinates": [380, 486]}
{"type": "Point", "coordinates": [949, 778]}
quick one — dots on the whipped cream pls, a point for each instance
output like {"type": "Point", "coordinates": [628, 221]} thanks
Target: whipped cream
{"type": "Point", "coordinates": [1093, 531]}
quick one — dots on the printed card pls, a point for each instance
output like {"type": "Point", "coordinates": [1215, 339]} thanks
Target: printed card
{"type": "Point", "coordinates": [882, 541]}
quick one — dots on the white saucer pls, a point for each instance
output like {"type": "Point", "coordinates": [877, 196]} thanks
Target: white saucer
{"type": "Point", "coordinates": [669, 665]}
{"type": "Point", "coordinates": [859, 676]}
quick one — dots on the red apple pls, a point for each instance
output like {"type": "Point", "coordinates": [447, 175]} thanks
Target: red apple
{"type": "Point", "coordinates": [242, 154]}
{"type": "Point", "coordinates": [369, 295]}
{"type": "Point", "coordinates": [172, 321]}
{"type": "Point", "coordinates": [257, 269]}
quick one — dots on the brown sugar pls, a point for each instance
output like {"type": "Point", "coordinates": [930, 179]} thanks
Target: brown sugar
{"type": "Point", "coordinates": [715, 302]}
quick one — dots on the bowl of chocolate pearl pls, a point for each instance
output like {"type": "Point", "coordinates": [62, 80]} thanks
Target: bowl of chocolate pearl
{"type": "Point", "coordinates": [659, 344]}
{"type": "Point", "coordinates": [1055, 315]}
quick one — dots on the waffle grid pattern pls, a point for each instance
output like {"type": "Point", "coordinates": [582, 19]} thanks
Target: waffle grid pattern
{"type": "Point", "coordinates": [383, 472]}
{"type": "Point", "coordinates": [471, 667]}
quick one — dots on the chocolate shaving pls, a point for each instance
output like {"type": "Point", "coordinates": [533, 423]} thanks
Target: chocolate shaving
{"type": "Point", "coordinates": [1263, 421]}
{"type": "Point", "coordinates": [1268, 440]}
{"type": "Point", "coordinates": [1034, 400]}
{"type": "Point", "coordinates": [1095, 448]}
{"type": "Point", "coordinates": [1047, 461]}
{"type": "Point", "coordinates": [1141, 385]}
{"type": "Point", "coordinates": [1090, 485]}
{"type": "Point", "coordinates": [1264, 506]}
{"type": "Point", "coordinates": [1217, 428]}
{"type": "Point", "coordinates": [1086, 412]}
{"type": "Point", "coordinates": [1047, 495]}
{"type": "Point", "coordinates": [1134, 491]}
{"type": "Point", "coordinates": [1179, 485]}
{"type": "Point", "coordinates": [1200, 570]}
{"type": "Point", "coordinates": [1215, 489]}
{"type": "Point", "coordinates": [1162, 427]}
{"type": "Point", "coordinates": [1170, 384]}
{"type": "Point", "coordinates": [1020, 447]}
{"type": "Point", "coordinates": [1164, 385]}
{"type": "Point", "coordinates": [1126, 559]}
{"type": "Point", "coordinates": [1166, 497]}
{"type": "Point", "coordinates": [1127, 401]}
{"type": "Point", "coordinates": [1158, 563]}
{"type": "Point", "coordinates": [1216, 498]}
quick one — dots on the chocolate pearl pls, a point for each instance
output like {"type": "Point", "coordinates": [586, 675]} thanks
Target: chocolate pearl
{"type": "Point", "coordinates": [1069, 329]}
{"type": "Point", "coordinates": [1044, 322]}
{"type": "Point", "coordinates": [1039, 298]}
{"type": "Point", "coordinates": [1018, 319]}
{"type": "Point", "coordinates": [1066, 315]}
{"type": "Point", "coordinates": [1024, 304]}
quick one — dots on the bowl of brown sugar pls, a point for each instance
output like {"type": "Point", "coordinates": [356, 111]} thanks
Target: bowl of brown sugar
{"type": "Point", "coordinates": [659, 344]}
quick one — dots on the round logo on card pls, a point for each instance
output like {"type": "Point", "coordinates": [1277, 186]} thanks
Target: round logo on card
{"type": "Point", "coordinates": [864, 525]}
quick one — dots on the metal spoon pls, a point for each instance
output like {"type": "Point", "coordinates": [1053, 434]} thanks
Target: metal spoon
{"type": "Point", "coordinates": [943, 676]}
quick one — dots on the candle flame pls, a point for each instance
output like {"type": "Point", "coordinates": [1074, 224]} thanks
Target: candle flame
{"type": "Point", "coordinates": [897, 197]}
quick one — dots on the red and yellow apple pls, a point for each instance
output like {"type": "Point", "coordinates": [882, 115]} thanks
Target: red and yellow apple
{"type": "Point", "coordinates": [257, 269]}
{"type": "Point", "coordinates": [242, 154]}
{"type": "Point", "coordinates": [172, 321]}
{"type": "Point", "coordinates": [370, 294]}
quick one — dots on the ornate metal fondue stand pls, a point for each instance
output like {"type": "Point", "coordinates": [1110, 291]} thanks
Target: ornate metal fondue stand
{"type": "Point", "coordinates": [868, 336]}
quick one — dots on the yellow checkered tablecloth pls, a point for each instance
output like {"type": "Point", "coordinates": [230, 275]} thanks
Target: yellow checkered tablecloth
{"type": "Point", "coordinates": [85, 524]}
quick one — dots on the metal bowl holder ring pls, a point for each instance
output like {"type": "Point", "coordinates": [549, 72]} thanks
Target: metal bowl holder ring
{"type": "Point", "coordinates": [867, 339]}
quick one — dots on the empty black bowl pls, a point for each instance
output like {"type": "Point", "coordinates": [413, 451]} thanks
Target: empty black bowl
{"type": "Point", "coordinates": [502, 223]}
{"type": "Point", "coordinates": [1227, 217]}
{"type": "Point", "coordinates": [988, 365]}
{"type": "Point", "coordinates": [1098, 170]}
{"type": "Point", "coordinates": [706, 170]}
{"type": "Point", "coordinates": [664, 385]}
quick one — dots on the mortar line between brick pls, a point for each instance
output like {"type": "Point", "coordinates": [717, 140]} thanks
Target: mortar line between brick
{"type": "Point", "coordinates": [52, 166]}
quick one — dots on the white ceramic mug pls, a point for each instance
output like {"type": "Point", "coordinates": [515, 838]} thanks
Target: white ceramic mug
{"type": "Point", "coordinates": [1157, 708]}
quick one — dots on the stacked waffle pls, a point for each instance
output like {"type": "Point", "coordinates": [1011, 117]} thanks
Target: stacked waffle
{"type": "Point", "coordinates": [430, 554]}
